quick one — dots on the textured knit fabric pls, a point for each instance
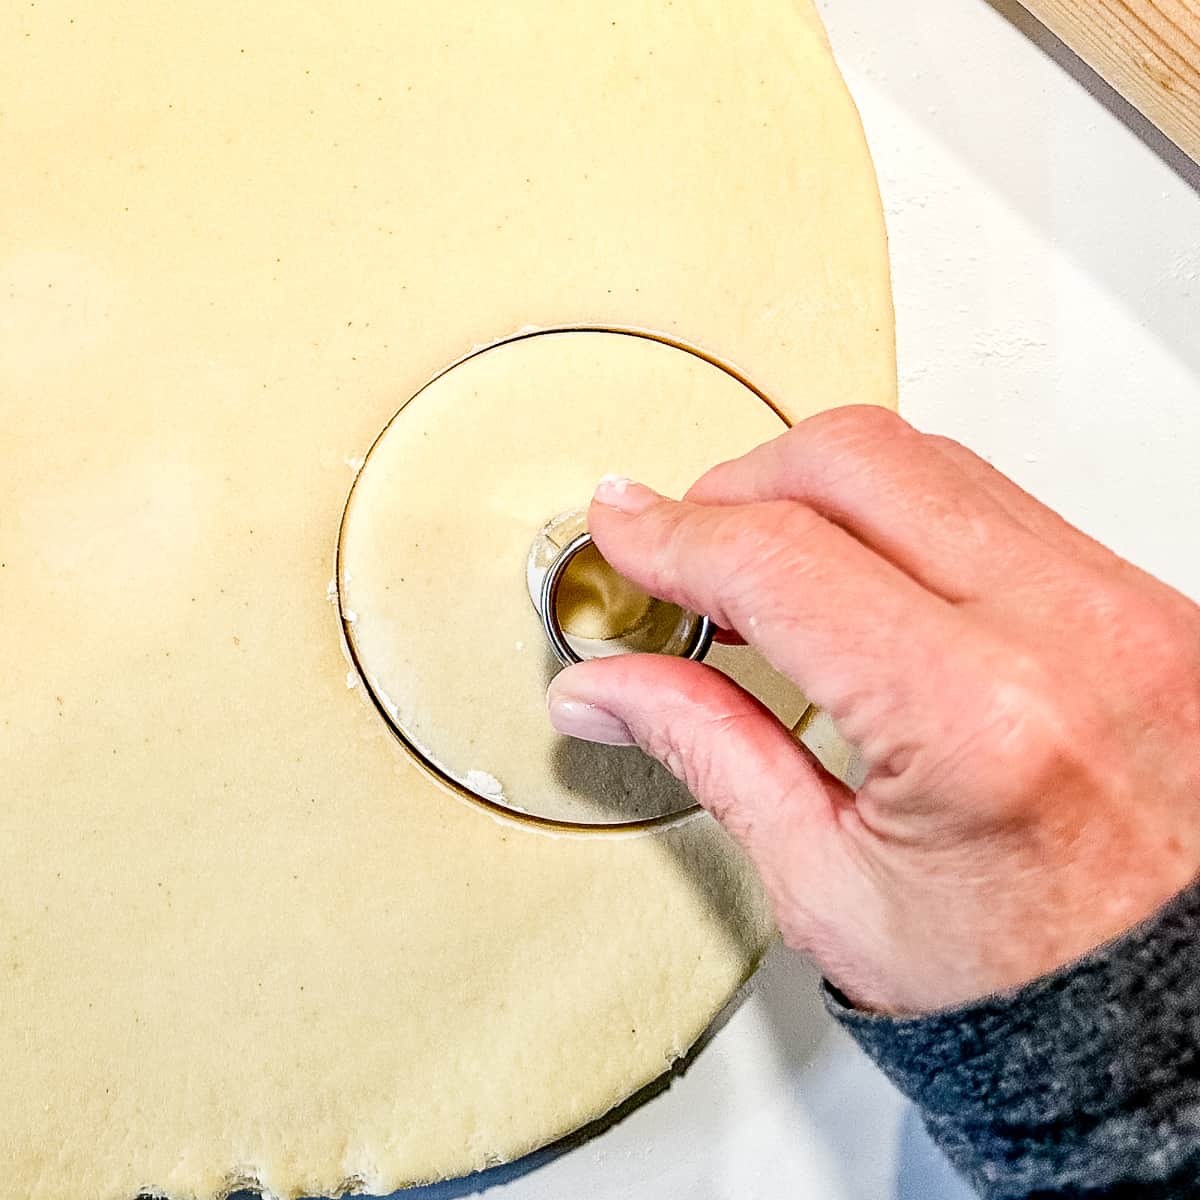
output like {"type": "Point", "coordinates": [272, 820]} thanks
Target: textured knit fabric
{"type": "Point", "coordinates": [1083, 1084]}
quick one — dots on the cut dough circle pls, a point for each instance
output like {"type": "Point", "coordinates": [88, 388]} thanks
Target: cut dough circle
{"type": "Point", "coordinates": [242, 936]}
{"type": "Point", "coordinates": [437, 531]}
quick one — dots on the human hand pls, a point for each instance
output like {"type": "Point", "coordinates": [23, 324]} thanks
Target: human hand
{"type": "Point", "coordinates": [1027, 704]}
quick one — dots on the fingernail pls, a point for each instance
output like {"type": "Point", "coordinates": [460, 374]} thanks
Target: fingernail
{"type": "Point", "coordinates": [590, 722]}
{"type": "Point", "coordinates": [615, 491]}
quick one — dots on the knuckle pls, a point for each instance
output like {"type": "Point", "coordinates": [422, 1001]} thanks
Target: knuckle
{"type": "Point", "coordinates": [854, 424]}
{"type": "Point", "coordinates": [1036, 728]}
{"type": "Point", "coordinates": [948, 446]}
{"type": "Point", "coordinates": [1012, 738]}
{"type": "Point", "coordinates": [846, 446]}
{"type": "Point", "coordinates": [1158, 651]}
{"type": "Point", "coordinates": [1149, 631]}
{"type": "Point", "coordinates": [1047, 723]}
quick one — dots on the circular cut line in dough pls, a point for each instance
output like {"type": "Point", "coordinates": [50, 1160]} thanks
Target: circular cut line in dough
{"type": "Point", "coordinates": [434, 544]}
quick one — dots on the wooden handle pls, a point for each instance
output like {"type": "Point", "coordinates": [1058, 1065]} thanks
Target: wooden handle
{"type": "Point", "coordinates": [1149, 50]}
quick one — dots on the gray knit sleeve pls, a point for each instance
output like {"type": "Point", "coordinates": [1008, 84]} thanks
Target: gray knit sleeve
{"type": "Point", "coordinates": [1083, 1084]}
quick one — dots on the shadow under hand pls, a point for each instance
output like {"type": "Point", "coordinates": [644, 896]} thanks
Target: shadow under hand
{"type": "Point", "coordinates": [616, 784]}
{"type": "Point", "coordinates": [619, 782]}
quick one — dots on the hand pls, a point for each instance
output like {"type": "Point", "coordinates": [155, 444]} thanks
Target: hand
{"type": "Point", "coordinates": [1027, 703]}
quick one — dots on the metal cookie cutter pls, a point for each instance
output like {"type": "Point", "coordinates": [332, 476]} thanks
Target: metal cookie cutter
{"type": "Point", "coordinates": [661, 627]}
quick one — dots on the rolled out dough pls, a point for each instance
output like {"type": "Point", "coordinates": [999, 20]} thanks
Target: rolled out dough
{"type": "Point", "coordinates": [242, 937]}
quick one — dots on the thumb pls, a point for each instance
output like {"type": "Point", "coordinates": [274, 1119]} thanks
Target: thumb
{"type": "Point", "coordinates": [736, 759]}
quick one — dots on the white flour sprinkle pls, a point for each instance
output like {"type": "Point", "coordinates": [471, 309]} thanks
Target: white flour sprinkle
{"type": "Point", "coordinates": [487, 785]}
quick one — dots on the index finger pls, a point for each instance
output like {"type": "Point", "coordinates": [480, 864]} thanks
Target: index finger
{"type": "Point", "coordinates": [859, 635]}
{"type": "Point", "coordinates": [895, 490]}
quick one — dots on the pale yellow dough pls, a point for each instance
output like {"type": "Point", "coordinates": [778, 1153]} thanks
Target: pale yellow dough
{"type": "Point", "coordinates": [242, 936]}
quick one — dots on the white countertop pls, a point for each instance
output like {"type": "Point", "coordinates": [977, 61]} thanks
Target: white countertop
{"type": "Point", "coordinates": [1046, 252]}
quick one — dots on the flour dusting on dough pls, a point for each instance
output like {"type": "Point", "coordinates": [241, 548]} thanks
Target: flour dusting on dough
{"type": "Point", "coordinates": [617, 483]}
{"type": "Point", "coordinates": [485, 784]}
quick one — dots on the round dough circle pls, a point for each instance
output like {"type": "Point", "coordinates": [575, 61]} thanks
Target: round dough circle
{"type": "Point", "coordinates": [244, 938]}
{"type": "Point", "coordinates": [434, 543]}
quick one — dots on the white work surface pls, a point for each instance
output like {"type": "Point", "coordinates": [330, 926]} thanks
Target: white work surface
{"type": "Point", "coordinates": [1046, 253]}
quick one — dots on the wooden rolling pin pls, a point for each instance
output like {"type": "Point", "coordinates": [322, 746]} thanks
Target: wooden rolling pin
{"type": "Point", "coordinates": [1149, 50]}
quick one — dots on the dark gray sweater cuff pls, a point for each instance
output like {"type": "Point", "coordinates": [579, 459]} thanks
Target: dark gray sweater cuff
{"type": "Point", "coordinates": [1085, 1083]}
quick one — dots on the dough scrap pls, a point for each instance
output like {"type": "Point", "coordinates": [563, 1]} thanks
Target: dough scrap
{"type": "Point", "coordinates": [242, 936]}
